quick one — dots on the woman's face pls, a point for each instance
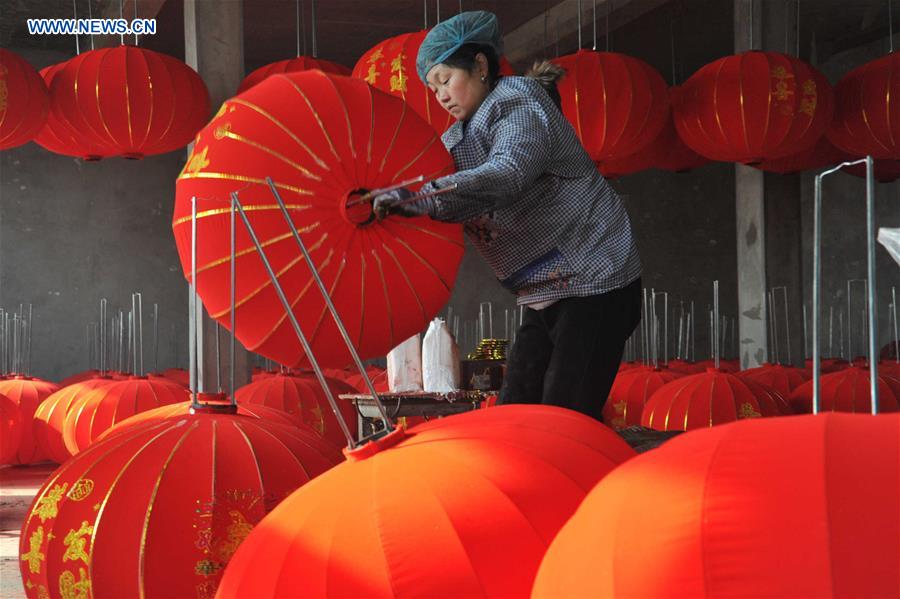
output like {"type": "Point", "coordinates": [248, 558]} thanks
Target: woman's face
{"type": "Point", "coordinates": [459, 91]}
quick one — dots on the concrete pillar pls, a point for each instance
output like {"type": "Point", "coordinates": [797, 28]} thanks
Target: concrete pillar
{"type": "Point", "coordinates": [214, 47]}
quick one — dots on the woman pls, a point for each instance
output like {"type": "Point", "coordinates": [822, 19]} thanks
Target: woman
{"type": "Point", "coordinates": [535, 207]}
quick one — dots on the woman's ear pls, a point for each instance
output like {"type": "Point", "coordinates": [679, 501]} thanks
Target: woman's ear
{"type": "Point", "coordinates": [481, 62]}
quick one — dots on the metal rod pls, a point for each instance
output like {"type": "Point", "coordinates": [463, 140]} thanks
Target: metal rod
{"type": "Point", "coordinates": [232, 288]}
{"type": "Point", "coordinates": [594, 15]}
{"type": "Point", "coordinates": [132, 322]}
{"type": "Point", "coordinates": [75, 15]}
{"type": "Point", "coordinates": [426, 194]}
{"type": "Point", "coordinates": [297, 6]}
{"type": "Point", "coordinates": [896, 337]}
{"type": "Point", "coordinates": [218, 362]}
{"type": "Point", "coordinates": [716, 315]}
{"type": "Point", "coordinates": [140, 332]}
{"type": "Point", "coordinates": [437, 11]}
{"type": "Point", "coordinates": [155, 338]}
{"type": "Point", "coordinates": [296, 326]}
{"type": "Point", "coordinates": [135, 18]}
{"type": "Point", "coordinates": [312, 29]}
{"type": "Point", "coordinates": [693, 336]}
{"type": "Point", "coordinates": [891, 25]}
{"type": "Point", "coordinates": [30, 329]}
{"type": "Point", "coordinates": [90, 17]}
{"type": "Point", "coordinates": [192, 301]}
{"type": "Point", "coordinates": [103, 340]}
{"type": "Point", "coordinates": [831, 332]}
{"type": "Point", "coordinates": [579, 24]}
{"type": "Point", "coordinates": [376, 192]}
{"type": "Point", "coordinates": [425, 14]}
{"type": "Point", "coordinates": [121, 16]}
{"type": "Point", "coordinates": [870, 260]}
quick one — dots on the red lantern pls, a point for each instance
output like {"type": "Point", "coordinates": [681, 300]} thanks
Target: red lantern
{"type": "Point", "coordinates": [56, 134]}
{"type": "Point", "coordinates": [706, 399]}
{"type": "Point", "coordinates": [129, 101]}
{"type": "Point", "coordinates": [104, 406]}
{"type": "Point", "coordinates": [323, 139]}
{"type": "Point", "coordinates": [616, 103]}
{"type": "Point", "coordinates": [867, 109]}
{"type": "Point", "coordinates": [376, 375]}
{"type": "Point", "coordinates": [783, 379]}
{"type": "Point", "coordinates": [179, 375]}
{"type": "Point", "coordinates": [11, 426]}
{"type": "Point", "coordinates": [464, 505]}
{"type": "Point", "coordinates": [292, 65]}
{"type": "Point", "coordinates": [820, 155]}
{"type": "Point", "coordinates": [752, 107]}
{"type": "Point", "coordinates": [630, 391]}
{"type": "Point", "coordinates": [159, 510]}
{"type": "Point", "coordinates": [848, 390]}
{"type": "Point", "coordinates": [684, 367]}
{"type": "Point", "coordinates": [50, 417]}
{"type": "Point", "coordinates": [79, 377]}
{"type": "Point", "coordinates": [304, 401]}
{"type": "Point", "coordinates": [780, 507]}
{"type": "Point", "coordinates": [23, 100]}
{"type": "Point", "coordinates": [27, 393]}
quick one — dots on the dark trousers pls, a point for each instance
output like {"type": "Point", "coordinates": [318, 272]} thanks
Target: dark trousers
{"type": "Point", "coordinates": [568, 354]}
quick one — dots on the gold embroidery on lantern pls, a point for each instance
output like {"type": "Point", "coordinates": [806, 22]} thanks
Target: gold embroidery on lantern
{"type": "Point", "coordinates": [236, 532]}
{"type": "Point", "coordinates": [398, 81]}
{"type": "Point", "coordinates": [42, 592]}
{"type": "Point", "coordinates": [371, 75]}
{"type": "Point", "coordinates": [207, 590]}
{"type": "Point", "coordinates": [222, 130]}
{"type": "Point", "coordinates": [75, 543]}
{"type": "Point", "coordinates": [206, 567]}
{"type": "Point", "coordinates": [196, 162]}
{"type": "Point", "coordinates": [47, 506]}
{"type": "Point", "coordinates": [747, 411]}
{"type": "Point", "coordinates": [35, 556]}
{"type": "Point", "coordinates": [82, 488]}
{"type": "Point", "coordinates": [69, 588]}
{"type": "Point", "coordinates": [783, 90]}
{"type": "Point", "coordinates": [318, 422]}
{"type": "Point", "coordinates": [809, 100]}
{"type": "Point", "coordinates": [222, 110]}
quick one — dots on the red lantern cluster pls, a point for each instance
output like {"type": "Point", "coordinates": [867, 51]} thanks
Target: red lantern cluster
{"type": "Point", "coordinates": [291, 65]}
{"type": "Point", "coordinates": [23, 100]}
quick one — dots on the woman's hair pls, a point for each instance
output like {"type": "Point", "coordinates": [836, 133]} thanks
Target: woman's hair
{"type": "Point", "coordinates": [547, 74]}
{"type": "Point", "coordinates": [464, 58]}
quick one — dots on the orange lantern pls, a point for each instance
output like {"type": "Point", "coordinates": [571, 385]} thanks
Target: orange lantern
{"type": "Point", "coordinates": [324, 140]}
{"type": "Point", "coordinates": [129, 101]}
{"type": "Point", "coordinates": [159, 510]}
{"type": "Point", "coordinates": [102, 407]}
{"type": "Point", "coordinates": [23, 100]}
{"type": "Point", "coordinates": [464, 505]}
{"type": "Point", "coordinates": [783, 379]}
{"type": "Point", "coordinates": [50, 417]}
{"type": "Point", "coordinates": [848, 390]}
{"type": "Point", "coordinates": [27, 393]}
{"type": "Point", "coordinates": [867, 109]}
{"type": "Point", "coordinates": [291, 65]}
{"type": "Point", "coordinates": [780, 507]}
{"type": "Point", "coordinates": [303, 400]}
{"type": "Point", "coordinates": [752, 107]}
{"type": "Point", "coordinates": [10, 430]}
{"type": "Point", "coordinates": [630, 391]}
{"type": "Point", "coordinates": [706, 399]}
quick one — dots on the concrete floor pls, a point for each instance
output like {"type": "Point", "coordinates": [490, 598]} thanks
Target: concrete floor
{"type": "Point", "coordinates": [18, 486]}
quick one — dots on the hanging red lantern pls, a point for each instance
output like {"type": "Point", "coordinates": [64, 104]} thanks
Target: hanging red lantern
{"type": "Point", "coordinates": [27, 393]}
{"type": "Point", "coordinates": [752, 107]}
{"type": "Point", "coordinates": [50, 417]}
{"type": "Point", "coordinates": [129, 101]}
{"type": "Point", "coordinates": [324, 140]}
{"type": "Point", "coordinates": [630, 391]}
{"type": "Point", "coordinates": [179, 375]}
{"type": "Point", "coordinates": [159, 510]}
{"type": "Point", "coordinates": [826, 365]}
{"type": "Point", "coordinates": [780, 507]}
{"type": "Point", "coordinates": [102, 407]}
{"type": "Point", "coordinates": [379, 379]}
{"type": "Point", "coordinates": [848, 390]}
{"type": "Point", "coordinates": [23, 100]}
{"type": "Point", "coordinates": [867, 110]}
{"type": "Point", "coordinates": [11, 425]}
{"type": "Point", "coordinates": [617, 104]}
{"type": "Point", "coordinates": [391, 67]}
{"type": "Point", "coordinates": [57, 136]}
{"type": "Point", "coordinates": [304, 401]}
{"type": "Point", "coordinates": [783, 379]}
{"type": "Point", "coordinates": [705, 399]}
{"type": "Point", "coordinates": [291, 65]}
{"type": "Point", "coordinates": [464, 505]}
{"type": "Point", "coordinates": [820, 155]}
{"type": "Point", "coordinates": [79, 377]}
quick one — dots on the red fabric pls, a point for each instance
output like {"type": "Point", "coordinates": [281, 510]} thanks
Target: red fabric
{"type": "Point", "coordinates": [291, 65]}
{"type": "Point", "coordinates": [179, 375]}
{"type": "Point", "coordinates": [848, 390]}
{"type": "Point", "coordinates": [464, 506]}
{"type": "Point", "coordinates": [50, 417]}
{"type": "Point", "coordinates": [783, 379]}
{"type": "Point", "coordinates": [11, 426]}
{"type": "Point", "coordinates": [630, 391]}
{"type": "Point", "coordinates": [617, 104]}
{"type": "Point", "coordinates": [159, 510]}
{"type": "Point", "coordinates": [57, 136]}
{"type": "Point", "coordinates": [867, 109]}
{"type": "Point", "coordinates": [752, 107]}
{"type": "Point", "coordinates": [128, 101]}
{"type": "Point", "coordinates": [23, 100]}
{"type": "Point", "coordinates": [102, 407]}
{"type": "Point", "coordinates": [27, 393]}
{"type": "Point", "coordinates": [303, 399]}
{"type": "Point", "coordinates": [804, 506]}
{"type": "Point", "coordinates": [391, 67]}
{"type": "Point", "coordinates": [821, 154]}
{"type": "Point", "coordinates": [319, 137]}
{"type": "Point", "coordinates": [706, 399]}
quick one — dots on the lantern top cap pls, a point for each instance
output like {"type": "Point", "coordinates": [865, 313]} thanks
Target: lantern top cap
{"type": "Point", "coordinates": [471, 27]}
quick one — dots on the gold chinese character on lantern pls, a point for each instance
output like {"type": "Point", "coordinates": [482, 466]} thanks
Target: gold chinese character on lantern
{"type": "Point", "coordinates": [783, 89]}
{"type": "Point", "coordinates": [47, 506]}
{"type": "Point", "coordinates": [197, 162]}
{"type": "Point", "coordinates": [69, 588]}
{"type": "Point", "coordinates": [75, 543]}
{"type": "Point", "coordinates": [747, 411]}
{"type": "Point", "coordinates": [82, 488]}
{"type": "Point", "coordinates": [34, 556]}
{"type": "Point", "coordinates": [372, 75]}
{"type": "Point", "coordinates": [809, 101]}
{"type": "Point", "coordinates": [399, 78]}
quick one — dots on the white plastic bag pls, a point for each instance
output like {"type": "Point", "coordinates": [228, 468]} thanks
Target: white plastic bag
{"type": "Point", "coordinates": [440, 358]}
{"type": "Point", "coordinates": [404, 366]}
{"type": "Point", "coordinates": [890, 239]}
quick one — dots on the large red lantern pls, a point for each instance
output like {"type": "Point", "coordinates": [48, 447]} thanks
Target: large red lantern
{"type": "Point", "coordinates": [752, 107]}
{"type": "Point", "coordinates": [159, 510]}
{"type": "Point", "coordinates": [129, 101]}
{"type": "Point", "coordinates": [783, 379]}
{"type": "Point", "coordinates": [50, 417]}
{"type": "Point", "coordinates": [867, 109]}
{"type": "Point", "coordinates": [630, 391]}
{"type": "Point", "coordinates": [11, 426]}
{"type": "Point", "coordinates": [323, 139]}
{"type": "Point", "coordinates": [23, 100]}
{"type": "Point", "coordinates": [464, 506]}
{"type": "Point", "coordinates": [27, 393]}
{"type": "Point", "coordinates": [57, 136]}
{"type": "Point", "coordinates": [781, 507]}
{"type": "Point", "coordinates": [617, 104]}
{"type": "Point", "coordinates": [848, 390]}
{"type": "Point", "coordinates": [706, 399]}
{"type": "Point", "coordinates": [291, 65]}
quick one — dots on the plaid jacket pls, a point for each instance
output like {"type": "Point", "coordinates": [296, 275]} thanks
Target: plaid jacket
{"type": "Point", "coordinates": [533, 203]}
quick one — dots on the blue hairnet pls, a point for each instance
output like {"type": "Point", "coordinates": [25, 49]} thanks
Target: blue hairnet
{"type": "Point", "coordinates": [473, 27]}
